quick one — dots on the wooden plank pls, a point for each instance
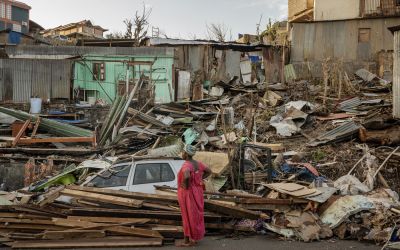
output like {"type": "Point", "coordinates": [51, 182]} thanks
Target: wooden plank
{"type": "Point", "coordinates": [46, 151]}
{"type": "Point", "coordinates": [273, 147]}
{"type": "Point", "coordinates": [266, 207]}
{"type": "Point", "coordinates": [48, 211]}
{"type": "Point", "coordinates": [273, 201]}
{"type": "Point", "coordinates": [232, 211]}
{"type": "Point", "coordinates": [124, 213]}
{"type": "Point", "coordinates": [21, 132]}
{"type": "Point", "coordinates": [105, 242]}
{"type": "Point", "coordinates": [72, 234]}
{"type": "Point", "coordinates": [159, 207]}
{"type": "Point", "coordinates": [120, 230]}
{"type": "Point", "coordinates": [126, 194]}
{"type": "Point", "coordinates": [22, 216]}
{"type": "Point", "coordinates": [31, 227]}
{"type": "Point", "coordinates": [26, 221]}
{"type": "Point", "coordinates": [4, 240]}
{"type": "Point", "coordinates": [103, 198]}
{"type": "Point", "coordinates": [55, 140]}
{"type": "Point", "coordinates": [35, 129]}
{"type": "Point", "coordinates": [285, 187]}
{"type": "Point", "coordinates": [135, 221]}
{"type": "Point", "coordinates": [77, 223]}
{"type": "Point", "coordinates": [129, 231]}
{"type": "Point", "coordinates": [51, 196]}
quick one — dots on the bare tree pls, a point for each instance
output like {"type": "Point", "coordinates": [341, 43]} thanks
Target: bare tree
{"type": "Point", "coordinates": [137, 27]}
{"type": "Point", "coordinates": [218, 32]}
{"type": "Point", "coordinates": [129, 25]}
{"type": "Point", "coordinates": [115, 35]}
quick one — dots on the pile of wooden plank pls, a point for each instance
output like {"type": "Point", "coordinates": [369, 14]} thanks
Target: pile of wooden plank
{"type": "Point", "coordinates": [75, 216]}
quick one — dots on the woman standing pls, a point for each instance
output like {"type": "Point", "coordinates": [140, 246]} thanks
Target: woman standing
{"type": "Point", "coordinates": [191, 197]}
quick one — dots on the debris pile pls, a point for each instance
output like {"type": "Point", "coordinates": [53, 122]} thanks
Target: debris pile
{"type": "Point", "coordinates": [306, 159]}
{"type": "Point", "coordinates": [73, 216]}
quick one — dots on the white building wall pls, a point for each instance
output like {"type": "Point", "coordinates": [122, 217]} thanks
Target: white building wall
{"type": "Point", "coordinates": [336, 9]}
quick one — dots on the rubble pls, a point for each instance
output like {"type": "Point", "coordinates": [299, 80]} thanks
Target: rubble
{"type": "Point", "coordinates": [287, 158]}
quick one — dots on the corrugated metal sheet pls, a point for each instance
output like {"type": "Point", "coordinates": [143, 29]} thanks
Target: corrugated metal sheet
{"type": "Point", "coordinates": [41, 79]}
{"type": "Point", "coordinates": [61, 79]}
{"type": "Point", "coordinates": [396, 75]}
{"type": "Point", "coordinates": [317, 41]}
{"type": "Point", "coordinates": [22, 85]}
{"type": "Point", "coordinates": [341, 133]}
{"type": "Point", "coordinates": [22, 78]}
{"type": "Point", "coordinates": [372, 7]}
{"type": "Point", "coordinates": [62, 52]}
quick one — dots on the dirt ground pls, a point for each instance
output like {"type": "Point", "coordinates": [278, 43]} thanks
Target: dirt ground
{"type": "Point", "coordinates": [262, 243]}
{"type": "Point", "coordinates": [267, 242]}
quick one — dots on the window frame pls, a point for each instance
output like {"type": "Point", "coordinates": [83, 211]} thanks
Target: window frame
{"type": "Point", "coordinates": [152, 163]}
{"type": "Point", "coordinates": [99, 71]}
{"type": "Point", "coordinates": [363, 31]}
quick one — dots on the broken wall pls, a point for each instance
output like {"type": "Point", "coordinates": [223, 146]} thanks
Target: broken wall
{"type": "Point", "coordinates": [273, 58]}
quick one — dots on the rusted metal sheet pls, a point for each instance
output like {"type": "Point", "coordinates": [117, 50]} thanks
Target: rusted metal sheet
{"type": "Point", "coordinates": [61, 72]}
{"type": "Point", "coordinates": [41, 79]}
{"type": "Point", "coordinates": [22, 78]}
{"type": "Point", "coordinates": [372, 7]}
{"type": "Point", "coordinates": [341, 133]}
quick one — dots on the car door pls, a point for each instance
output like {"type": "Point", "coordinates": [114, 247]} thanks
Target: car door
{"type": "Point", "coordinates": [115, 177]}
{"type": "Point", "coordinates": [148, 174]}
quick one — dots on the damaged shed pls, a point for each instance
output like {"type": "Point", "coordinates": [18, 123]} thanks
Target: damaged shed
{"type": "Point", "coordinates": [204, 63]}
{"type": "Point", "coordinates": [53, 72]}
{"type": "Point", "coordinates": [105, 77]}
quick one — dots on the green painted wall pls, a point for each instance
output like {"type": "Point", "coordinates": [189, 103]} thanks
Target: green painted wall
{"type": "Point", "coordinates": [116, 71]}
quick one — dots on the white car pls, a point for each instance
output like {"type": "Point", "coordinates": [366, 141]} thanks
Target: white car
{"type": "Point", "coordinates": [138, 175]}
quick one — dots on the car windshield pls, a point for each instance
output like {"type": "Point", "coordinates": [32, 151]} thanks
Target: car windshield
{"type": "Point", "coordinates": [114, 177]}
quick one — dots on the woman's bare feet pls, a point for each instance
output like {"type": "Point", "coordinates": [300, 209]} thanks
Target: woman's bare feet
{"type": "Point", "coordinates": [182, 243]}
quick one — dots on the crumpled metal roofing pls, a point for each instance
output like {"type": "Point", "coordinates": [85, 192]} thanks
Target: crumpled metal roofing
{"type": "Point", "coordinates": [341, 133]}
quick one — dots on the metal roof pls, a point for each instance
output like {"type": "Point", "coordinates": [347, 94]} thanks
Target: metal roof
{"type": "Point", "coordinates": [155, 41]}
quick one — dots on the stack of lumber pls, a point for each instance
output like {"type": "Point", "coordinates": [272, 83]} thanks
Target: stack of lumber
{"type": "Point", "coordinates": [74, 216]}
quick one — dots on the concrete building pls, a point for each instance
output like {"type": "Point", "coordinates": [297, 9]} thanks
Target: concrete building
{"type": "Point", "coordinates": [79, 30]}
{"type": "Point", "coordinates": [396, 72]}
{"type": "Point", "coordinates": [353, 31]}
{"type": "Point", "coordinates": [14, 16]}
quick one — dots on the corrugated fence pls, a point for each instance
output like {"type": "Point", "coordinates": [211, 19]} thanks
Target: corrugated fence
{"type": "Point", "coordinates": [22, 78]}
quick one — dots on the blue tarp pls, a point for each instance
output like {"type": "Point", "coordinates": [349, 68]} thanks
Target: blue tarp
{"type": "Point", "coordinates": [14, 37]}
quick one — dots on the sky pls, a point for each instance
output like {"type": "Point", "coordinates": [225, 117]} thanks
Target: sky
{"type": "Point", "coordinates": [185, 19]}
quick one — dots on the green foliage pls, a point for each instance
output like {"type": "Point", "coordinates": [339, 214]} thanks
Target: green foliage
{"type": "Point", "coordinates": [271, 30]}
{"type": "Point", "coordinates": [319, 155]}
